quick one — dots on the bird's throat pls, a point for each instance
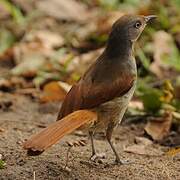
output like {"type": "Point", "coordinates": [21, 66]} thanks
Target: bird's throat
{"type": "Point", "coordinates": [119, 47]}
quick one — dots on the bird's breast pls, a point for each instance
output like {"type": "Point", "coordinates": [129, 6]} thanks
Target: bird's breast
{"type": "Point", "coordinates": [113, 110]}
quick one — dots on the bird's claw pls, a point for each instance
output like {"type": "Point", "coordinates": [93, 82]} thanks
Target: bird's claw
{"type": "Point", "coordinates": [97, 157]}
{"type": "Point", "coordinates": [122, 162]}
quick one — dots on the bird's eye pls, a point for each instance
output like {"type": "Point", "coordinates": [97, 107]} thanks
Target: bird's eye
{"type": "Point", "coordinates": [137, 25]}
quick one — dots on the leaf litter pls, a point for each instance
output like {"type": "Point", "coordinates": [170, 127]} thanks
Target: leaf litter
{"type": "Point", "coordinates": [54, 50]}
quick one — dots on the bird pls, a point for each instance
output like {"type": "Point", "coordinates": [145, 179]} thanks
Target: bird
{"type": "Point", "coordinates": [98, 101]}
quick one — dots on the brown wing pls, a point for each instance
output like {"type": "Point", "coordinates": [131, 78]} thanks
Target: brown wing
{"type": "Point", "coordinates": [89, 93]}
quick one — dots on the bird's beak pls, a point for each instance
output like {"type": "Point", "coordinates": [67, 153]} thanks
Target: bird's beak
{"type": "Point", "coordinates": [149, 18]}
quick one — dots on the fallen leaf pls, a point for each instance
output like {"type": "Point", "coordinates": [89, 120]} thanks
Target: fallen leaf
{"type": "Point", "coordinates": [161, 46]}
{"type": "Point", "coordinates": [29, 58]}
{"type": "Point", "coordinates": [65, 86]}
{"type": "Point", "coordinates": [143, 141]}
{"type": "Point", "coordinates": [173, 152]}
{"type": "Point", "coordinates": [151, 99]}
{"type": "Point", "coordinates": [32, 92]}
{"type": "Point", "coordinates": [94, 34]}
{"type": "Point", "coordinates": [47, 38]}
{"type": "Point", "coordinates": [26, 7]}
{"type": "Point", "coordinates": [4, 12]}
{"type": "Point", "coordinates": [142, 150]}
{"type": "Point", "coordinates": [35, 52]}
{"type": "Point", "coordinates": [168, 92]}
{"type": "Point", "coordinates": [159, 127]}
{"type": "Point", "coordinates": [5, 104]}
{"type": "Point", "coordinates": [177, 88]}
{"type": "Point", "coordinates": [143, 146]}
{"type": "Point", "coordinates": [176, 115]}
{"type": "Point", "coordinates": [1, 130]}
{"type": "Point", "coordinates": [52, 92]}
{"type": "Point", "coordinates": [7, 55]}
{"type": "Point", "coordinates": [29, 66]}
{"type": "Point", "coordinates": [64, 10]}
{"type": "Point", "coordinates": [172, 140]}
{"type": "Point", "coordinates": [165, 54]}
{"type": "Point", "coordinates": [5, 84]}
{"type": "Point", "coordinates": [136, 104]}
{"type": "Point", "coordinates": [2, 164]}
{"type": "Point", "coordinates": [7, 39]}
{"type": "Point", "coordinates": [80, 64]}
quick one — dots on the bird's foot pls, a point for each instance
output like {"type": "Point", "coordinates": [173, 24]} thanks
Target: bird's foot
{"type": "Point", "coordinates": [122, 162]}
{"type": "Point", "coordinates": [98, 157]}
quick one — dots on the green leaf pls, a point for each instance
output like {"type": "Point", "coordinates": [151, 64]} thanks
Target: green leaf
{"type": "Point", "coordinates": [173, 59]}
{"type": "Point", "coordinates": [6, 40]}
{"type": "Point", "coordinates": [151, 100]}
{"type": "Point", "coordinates": [2, 164]}
{"type": "Point", "coordinates": [144, 60]}
{"type": "Point", "coordinates": [109, 4]}
{"type": "Point", "coordinates": [14, 11]}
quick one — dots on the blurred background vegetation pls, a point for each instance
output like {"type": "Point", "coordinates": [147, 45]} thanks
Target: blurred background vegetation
{"type": "Point", "coordinates": [45, 46]}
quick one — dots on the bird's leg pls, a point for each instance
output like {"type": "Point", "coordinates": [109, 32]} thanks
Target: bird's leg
{"type": "Point", "coordinates": [108, 136]}
{"type": "Point", "coordinates": [94, 155]}
{"type": "Point", "coordinates": [91, 133]}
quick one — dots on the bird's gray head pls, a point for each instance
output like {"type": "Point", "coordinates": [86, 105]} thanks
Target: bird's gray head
{"type": "Point", "coordinates": [130, 26]}
{"type": "Point", "coordinates": [125, 31]}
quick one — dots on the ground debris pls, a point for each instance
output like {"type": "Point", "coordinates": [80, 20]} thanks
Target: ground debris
{"type": "Point", "coordinates": [143, 146]}
{"type": "Point", "coordinates": [159, 127]}
{"type": "Point", "coordinates": [81, 142]}
{"type": "Point", "coordinates": [5, 105]}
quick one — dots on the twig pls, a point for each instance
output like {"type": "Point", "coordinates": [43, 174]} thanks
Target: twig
{"type": "Point", "coordinates": [34, 175]}
{"type": "Point", "coordinates": [67, 157]}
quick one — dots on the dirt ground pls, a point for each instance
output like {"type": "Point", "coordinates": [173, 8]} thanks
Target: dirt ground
{"type": "Point", "coordinates": [26, 116]}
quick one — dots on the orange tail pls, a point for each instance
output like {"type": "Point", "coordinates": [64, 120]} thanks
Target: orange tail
{"type": "Point", "coordinates": [53, 133]}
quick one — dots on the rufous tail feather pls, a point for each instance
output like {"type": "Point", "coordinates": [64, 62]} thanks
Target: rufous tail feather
{"type": "Point", "coordinates": [54, 132]}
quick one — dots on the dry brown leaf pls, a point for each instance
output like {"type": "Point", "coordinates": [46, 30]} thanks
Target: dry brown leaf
{"type": "Point", "coordinates": [64, 10]}
{"type": "Point", "coordinates": [5, 84]}
{"type": "Point", "coordinates": [144, 141]}
{"type": "Point", "coordinates": [158, 128]}
{"type": "Point", "coordinates": [32, 92]}
{"type": "Point", "coordinates": [5, 104]}
{"type": "Point", "coordinates": [99, 27]}
{"type": "Point", "coordinates": [177, 88]}
{"type": "Point", "coordinates": [81, 63]}
{"type": "Point", "coordinates": [65, 86]}
{"type": "Point", "coordinates": [52, 92]}
{"type": "Point", "coordinates": [143, 146]}
{"type": "Point", "coordinates": [4, 12]}
{"type": "Point", "coordinates": [7, 55]}
{"type": "Point", "coordinates": [1, 130]}
{"type": "Point", "coordinates": [162, 41]}
{"type": "Point", "coordinates": [176, 115]}
{"type": "Point", "coordinates": [29, 57]}
{"type": "Point", "coordinates": [143, 150]}
{"type": "Point", "coordinates": [34, 51]}
{"type": "Point", "coordinates": [47, 38]}
{"type": "Point", "coordinates": [26, 7]}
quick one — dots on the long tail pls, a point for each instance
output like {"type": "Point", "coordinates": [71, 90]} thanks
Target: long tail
{"type": "Point", "coordinates": [54, 132]}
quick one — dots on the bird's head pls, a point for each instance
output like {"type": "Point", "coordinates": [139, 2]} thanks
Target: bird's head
{"type": "Point", "coordinates": [130, 27]}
